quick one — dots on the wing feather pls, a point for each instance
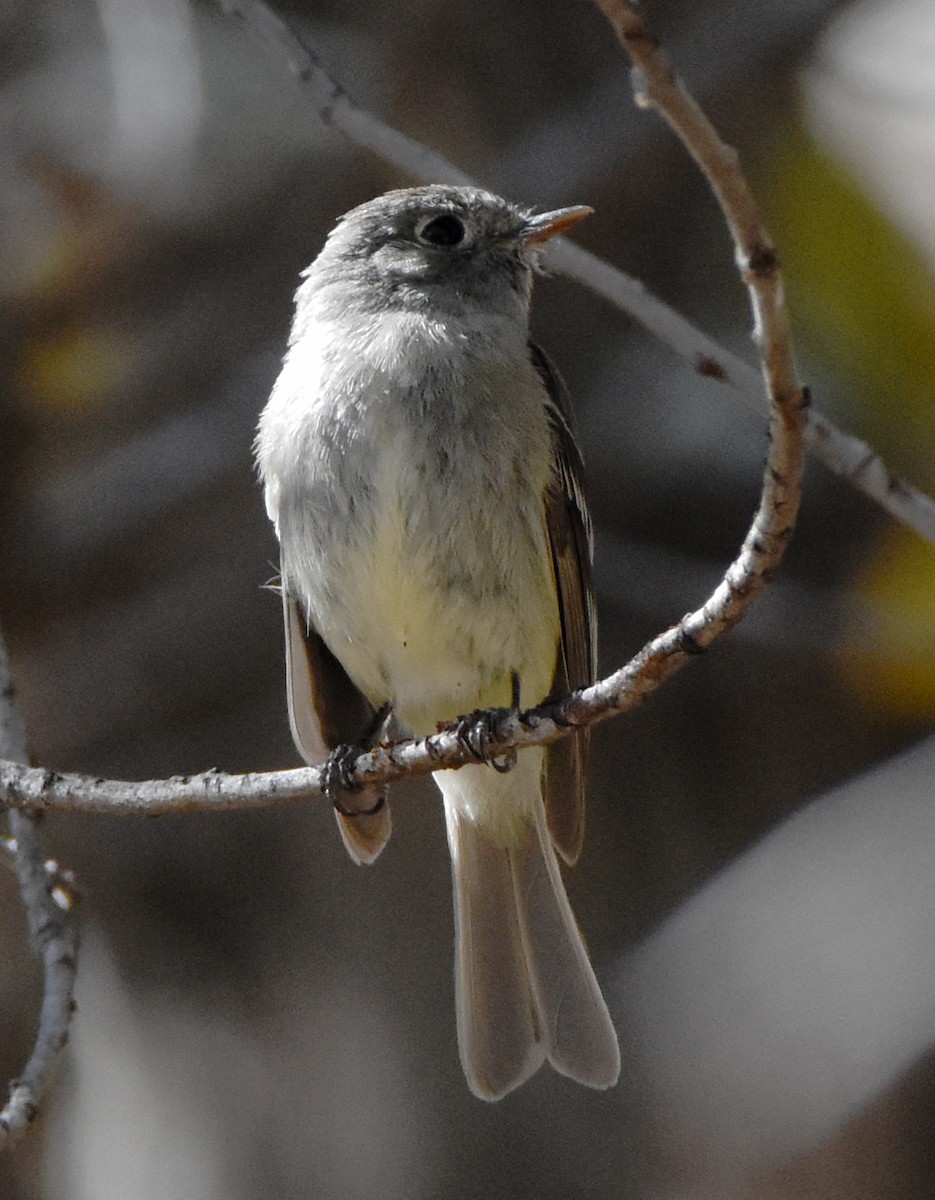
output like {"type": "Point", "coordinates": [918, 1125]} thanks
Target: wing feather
{"type": "Point", "coordinates": [326, 710]}
{"type": "Point", "coordinates": [570, 539]}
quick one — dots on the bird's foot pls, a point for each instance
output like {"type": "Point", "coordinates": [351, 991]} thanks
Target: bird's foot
{"type": "Point", "coordinates": [476, 730]}
{"type": "Point", "coordinates": [337, 770]}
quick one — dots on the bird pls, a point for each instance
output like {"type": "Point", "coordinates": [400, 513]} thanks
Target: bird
{"type": "Point", "coordinates": [421, 471]}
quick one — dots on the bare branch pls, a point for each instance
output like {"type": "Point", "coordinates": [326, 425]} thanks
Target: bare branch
{"type": "Point", "coordinates": [845, 455]}
{"type": "Point", "coordinates": [659, 87]}
{"type": "Point", "coordinates": [335, 105]}
{"type": "Point", "coordinates": [758, 558]}
{"type": "Point", "coordinates": [48, 903]}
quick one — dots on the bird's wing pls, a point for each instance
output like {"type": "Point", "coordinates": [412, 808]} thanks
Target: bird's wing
{"type": "Point", "coordinates": [326, 710]}
{"type": "Point", "coordinates": [570, 540]}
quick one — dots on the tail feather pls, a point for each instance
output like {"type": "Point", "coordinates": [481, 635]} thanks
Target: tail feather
{"type": "Point", "coordinates": [577, 1029]}
{"type": "Point", "coordinates": [525, 990]}
{"type": "Point", "coordinates": [498, 1032]}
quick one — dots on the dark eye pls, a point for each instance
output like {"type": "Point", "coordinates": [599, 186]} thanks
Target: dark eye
{"type": "Point", "coordinates": [446, 230]}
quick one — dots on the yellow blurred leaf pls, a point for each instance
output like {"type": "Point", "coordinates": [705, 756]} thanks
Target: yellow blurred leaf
{"type": "Point", "coordinates": [862, 297]}
{"type": "Point", "coordinates": [75, 369]}
{"type": "Point", "coordinates": [895, 673]}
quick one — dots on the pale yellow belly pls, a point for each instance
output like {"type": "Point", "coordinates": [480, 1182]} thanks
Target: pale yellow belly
{"type": "Point", "coordinates": [405, 633]}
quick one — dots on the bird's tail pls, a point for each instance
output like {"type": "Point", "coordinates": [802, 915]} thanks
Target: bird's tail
{"type": "Point", "coordinates": [525, 989]}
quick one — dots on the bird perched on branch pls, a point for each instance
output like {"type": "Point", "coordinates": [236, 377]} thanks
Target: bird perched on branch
{"type": "Point", "coordinates": [421, 471]}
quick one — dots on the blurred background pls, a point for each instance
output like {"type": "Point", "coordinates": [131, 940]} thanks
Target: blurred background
{"type": "Point", "coordinates": [260, 1018]}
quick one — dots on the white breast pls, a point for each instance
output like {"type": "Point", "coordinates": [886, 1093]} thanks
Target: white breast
{"type": "Point", "coordinates": [408, 501]}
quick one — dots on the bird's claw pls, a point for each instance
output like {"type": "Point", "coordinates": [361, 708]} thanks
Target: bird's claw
{"type": "Point", "coordinates": [476, 730]}
{"type": "Point", "coordinates": [336, 779]}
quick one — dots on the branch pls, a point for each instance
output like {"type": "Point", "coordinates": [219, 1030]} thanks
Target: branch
{"type": "Point", "coordinates": [746, 577]}
{"type": "Point", "coordinates": [48, 902]}
{"type": "Point", "coordinates": [847, 456]}
{"type": "Point", "coordinates": [657, 86]}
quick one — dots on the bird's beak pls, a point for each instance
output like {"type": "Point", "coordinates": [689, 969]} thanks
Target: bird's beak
{"type": "Point", "coordinates": [546, 225]}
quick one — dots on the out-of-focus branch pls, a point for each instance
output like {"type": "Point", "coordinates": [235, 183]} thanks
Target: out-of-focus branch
{"type": "Point", "coordinates": [336, 107]}
{"type": "Point", "coordinates": [48, 905]}
{"type": "Point", "coordinates": [845, 455]}
{"type": "Point", "coordinates": [749, 573]}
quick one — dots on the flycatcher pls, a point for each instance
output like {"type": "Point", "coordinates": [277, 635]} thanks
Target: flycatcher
{"type": "Point", "coordinates": [421, 471]}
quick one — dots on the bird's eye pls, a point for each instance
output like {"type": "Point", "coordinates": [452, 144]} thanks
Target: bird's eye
{"type": "Point", "coordinates": [446, 230]}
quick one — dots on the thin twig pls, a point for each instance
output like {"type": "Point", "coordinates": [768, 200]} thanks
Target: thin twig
{"type": "Point", "coordinates": [847, 456]}
{"type": "Point", "coordinates": [48, 902]}
{"type": "Point", "coordinates": [745, 578]}
{"type": "Point", "coordinates": [659, 87]}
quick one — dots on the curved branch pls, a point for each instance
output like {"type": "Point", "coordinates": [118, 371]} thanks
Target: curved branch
{"type": "Point", "coordinates": [758, 558]}
{"type": "Point", "coordinates": [48, 904]}
{"type": "Point", "coordinates": [847, 456]}
{"type": "Point", "coordinates": [657, 86]}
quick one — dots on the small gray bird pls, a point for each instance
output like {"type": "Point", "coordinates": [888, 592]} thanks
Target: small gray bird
{"type": "Point", "coordinates": [425, 485]}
